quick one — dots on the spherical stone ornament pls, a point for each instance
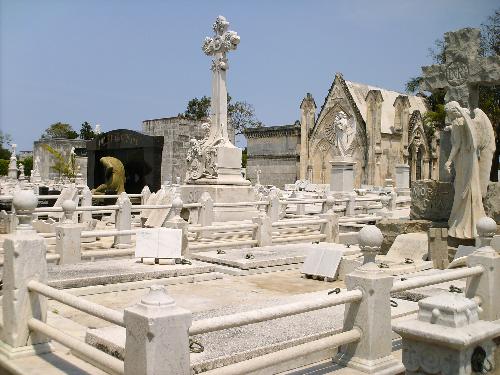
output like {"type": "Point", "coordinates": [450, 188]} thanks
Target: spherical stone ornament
{"type": "Point", "coordinates": [177, 203]}
{"type": "Point", "coordinates": [330, 200]}
{"type": "Point", "coordinates": [24, 201]}
{"type": "Point", "coordinates": [69, 206]}
{"type": "Point", "coordinates": [157, 296]}
{"type": "Point", "coordinates": [486, 226]}
{"type": "Point", "coordinates": [370, 236]}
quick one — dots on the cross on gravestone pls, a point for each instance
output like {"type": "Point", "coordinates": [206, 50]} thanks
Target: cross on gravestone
{"type": "Point", "coordinates": [217, 46]}
{"type": "Point", "coordinates": [464, 69]}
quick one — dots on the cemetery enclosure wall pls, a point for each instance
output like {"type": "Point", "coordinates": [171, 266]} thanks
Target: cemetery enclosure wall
{"type": "Point", "coordinates": [274, 151]}
{"type": "Point", "coordinates": [46, 160]}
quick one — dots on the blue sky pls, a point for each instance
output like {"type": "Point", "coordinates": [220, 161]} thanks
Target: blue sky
{"type": "Point", "coordinates": [118, 62]}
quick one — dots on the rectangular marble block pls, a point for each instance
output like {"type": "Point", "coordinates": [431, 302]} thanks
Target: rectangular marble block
{"type": "Point", "coordinates": [158, 243]}
{"type": "Point", "coordinates": [322, 262]}
{"type": "Point", "coordinates": [342, 176]}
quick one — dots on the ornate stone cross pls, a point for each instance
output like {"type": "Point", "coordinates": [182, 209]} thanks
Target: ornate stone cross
{"type": "Point", "coordinates": [464, 70]}
{"type": "Point", "coordinates": [217, 46]}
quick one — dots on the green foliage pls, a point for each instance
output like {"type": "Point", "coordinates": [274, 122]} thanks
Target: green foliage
{"type": "Point", "coordinates": [59, 130]}
{"type": "Point", "coordinates": [413, 84]}
{"type": "Point", "coordinates": [241, 114]}
{"type": "Point", "coordinates": [28, 165]}
{"type": "Point", "coordinates": [490, 32]}
{"type": "Point", "coordinates": [63, 167]}
{"type": "Point", "coordinates": [4, 167]}
{"type": "Point", "coordinates": [5, 141]}
{"type": "Point", "coordinates": [244, 158]}
{"type": "Point", "coordinates": [86, 131]}
{"type": "Point", "coordinates": [198, 109]}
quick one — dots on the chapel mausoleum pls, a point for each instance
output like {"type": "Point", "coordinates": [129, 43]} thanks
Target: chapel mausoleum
{"type": "Point", "coordinates": [379, 130]}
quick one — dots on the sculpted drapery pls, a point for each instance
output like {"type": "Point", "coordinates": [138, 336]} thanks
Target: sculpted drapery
{"type": "Point", "coordinates": [471, 154]}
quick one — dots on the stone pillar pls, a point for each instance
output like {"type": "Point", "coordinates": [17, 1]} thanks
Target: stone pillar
{"type": "Point", "coordinates": [145, 194]}
{"type": "Point", "coordinates": [157, 338]}
{"type": "Point", "coordinates": [274, 206]}
{"type": "Point", "coordinates": [177, 222]}
{"type": "Point", "coordinates": [263, 234]}
{"type": "Point", "coordinates": [328, 204]}
{"type": "Point", "coordinates": [123, 221]}
{"type": "Point", "coordinates": [300, 207]}
{"type": "Point", "coordinates": [331, 227]}
{"type": "Point", "coordinates": [24, 261]}
{"type": "Point", "coordinates": [445, 336]}
{"type": "Point", "coordinates": [393, 203]}
{"type": "Point", "coordinates": [438, 247]}
{"type": "Point", "coordinates": [68, 236]}
{"type": "Point", "coordinates": [385, 200]}
{"type": "Point", "coordinates": [402, 179]}
{"type": "Point", "coordinates": [372, 354]}
{"type": "Point", "coordinates": [350, 207]}
{"type": "Point", "coordinates": [342, 177]}
{"type": "Point", "coordinates": [486, 285]}
{"type": "Point", "coordinates": [307, 113]}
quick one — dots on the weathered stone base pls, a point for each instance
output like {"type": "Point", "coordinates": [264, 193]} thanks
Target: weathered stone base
{"type": "Point", "coordinates": [223, 194]}
{"type": "Point", "coordinates": [24, 351]}
{"type": "Point", "coordinates": [382, 366]}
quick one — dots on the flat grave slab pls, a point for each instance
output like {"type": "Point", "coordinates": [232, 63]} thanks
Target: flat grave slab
{"type": "Point", "coordinates": [118, 271]}
{"type": "Point", "coordinates": [233, 345]}
{"type": "Point", "coordinates": [264, 257]}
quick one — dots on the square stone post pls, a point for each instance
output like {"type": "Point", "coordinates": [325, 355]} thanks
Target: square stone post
{"type": "Point", "coordinates": [145, 194]}
{"type": "Point", "coordinates": [438, 247]}
{"type": "Point", "coordinates": [157, 336]}
{"type": "Point", "coordinates": [342, 177]}
{"type": "Point", "coordinates": [402, 179]}
{"type": "Point", "coordinates": [177, 222]}
{"type": "Point", "coordinates": [274, 206]}
{"type": "Point", "coordinates": [263, 234]}
{"type": "Point", "coordinates": [24, 261]}
{"type": "Point", "coordinates": [372, 354]}
{"type": "Point", "coordinates": [350, 208]}
{"type": "Point", "coordinates": [485, 286]}
{"type": "Point", "coordinates": [123, 222]}
{"type": "Point", "coordinates": [331, 227]}
{"type": "Point", "coordinates": [206, 214]}
{"type": "Point", "coordinates": [68, 236]}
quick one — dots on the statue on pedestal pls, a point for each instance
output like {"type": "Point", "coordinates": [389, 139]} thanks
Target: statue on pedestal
{"type": "Point", "coordinates": [473, 146]}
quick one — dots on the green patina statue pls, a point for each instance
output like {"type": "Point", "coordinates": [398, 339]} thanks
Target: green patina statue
{"type": "Point", "coordinates": [115, 176]}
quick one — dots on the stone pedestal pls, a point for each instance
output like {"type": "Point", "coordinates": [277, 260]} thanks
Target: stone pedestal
{"type": "Point", "coordinates": [431, 200]}
{"type": "Point", "coordinates": [12, 173]}
{"type": "Point", "coordinates": [402, 179]}
{"type": "Point", "coordinates": [445, 337]}
{"type": "Point", "coordinates": [342, 176]}
{"type": "Point", "coordinates": [223, 194]}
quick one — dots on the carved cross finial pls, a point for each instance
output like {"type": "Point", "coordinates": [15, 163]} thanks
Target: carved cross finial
{"type": "Point", "coordinates": [224, 40]}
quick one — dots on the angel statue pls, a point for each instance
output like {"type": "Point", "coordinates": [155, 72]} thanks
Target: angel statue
{"type": "Point", "coordinates": [473, 146]}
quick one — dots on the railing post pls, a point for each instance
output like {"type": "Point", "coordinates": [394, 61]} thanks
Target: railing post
{"type": "Point", "coordinates": [24, 261]}
{"type": "Point", "coordinates": [206, 213]}
{"type": "Point", "coordinates": [393, 202]}
{"type": "Point", "coordinates": [331, 227]}
{"type": "Point", "coordinates": [372, 315]}
{"type": "Point", "coordinates": [68, 236]}
{"type": "Point", "coordinates": [486, 285]}
{"type": "Point", "coordinates": [157, 336]}
{"type": "Point", "coordinates": [263, 234]}
{"type": "Point", "coordinates": [350, 208]}
{"type": "Point", "coordinates": [274, 206]}
{"type": "Point", "coordinates": [86, 216]}
{"type": "Point", "coordinates": [123, 221]}
{"type": "Point", "coordinates": [145, 194]}
{"type": "Point", "coordinates": [177, 222]}
{"type": "Point", "coordinates": [328, 204]}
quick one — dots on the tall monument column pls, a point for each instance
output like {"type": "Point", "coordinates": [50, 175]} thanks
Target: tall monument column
{"type": "Point", "coordinates": [307, 112]}
{"type": "Point", "coordinates": [214, 163]}
{"type": "Point", "coordinates": [215, 160]}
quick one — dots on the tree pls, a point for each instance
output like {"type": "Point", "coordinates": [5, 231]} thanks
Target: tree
{"type": "Point", "coordinates": [65, 167]}
{"type": "Point", "coordinates": [86, 131]}
{"type": "Point", "coordinates": [489, 96]}
{"type": "Point", "coordinates": [241, 115]}
{"type": "Point", "coordinates": [5, 141]}
{"type": "Point", "coordinates": [59, 130]}
{"type": "Point", "coordinates": [198, 109]}
{"type": "Point", "coordinates": [28, 165]}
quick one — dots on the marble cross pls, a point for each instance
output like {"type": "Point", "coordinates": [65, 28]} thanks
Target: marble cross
{"type": "Point", "coordinates": [464, 69]}
{"type": "Point", "coordinates": [217, 46]}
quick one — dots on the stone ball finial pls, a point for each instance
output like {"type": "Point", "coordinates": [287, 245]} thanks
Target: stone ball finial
{"type": "Point", "coordinates": [486, 227]}
{"type": "Point", "coordinates": [370, 236]}
{"type": "Point", "coordinates": [177, 203]}
{"type": "Point", "coordinates": [24, 202]}
{"type": "Point", "coordinates": [69, 208]}
{"type": "Point", "coordinates": [330, 200]}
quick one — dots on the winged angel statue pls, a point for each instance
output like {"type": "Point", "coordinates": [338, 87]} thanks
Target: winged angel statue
{"type": "Point", "coordinates": [473, 147]}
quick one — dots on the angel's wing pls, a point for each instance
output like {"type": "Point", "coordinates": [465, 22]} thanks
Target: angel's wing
{"type": "Point", "coordinates": [485, 138]}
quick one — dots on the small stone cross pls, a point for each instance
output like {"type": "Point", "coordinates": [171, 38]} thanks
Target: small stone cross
{"type": "Point", "coordinates": [464, 69]}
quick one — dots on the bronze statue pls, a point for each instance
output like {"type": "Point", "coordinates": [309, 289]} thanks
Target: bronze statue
{"type": "Point", "coordinates": [115, 176]}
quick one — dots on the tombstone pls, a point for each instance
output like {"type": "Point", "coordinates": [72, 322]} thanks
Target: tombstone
{"type": "Point", "coordinates": [161, 243]}
{"type": "Point", "coordinates": [157, 217]}
{"type": "Point", "coordinates": [323, 263]}
{"type": "Point", "coordinates": [139, 153]}
{"type": "Point", "coordinates": [431, 200]}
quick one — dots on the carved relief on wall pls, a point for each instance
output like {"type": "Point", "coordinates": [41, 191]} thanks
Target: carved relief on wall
{"type": "Point", "coordinates": [341, 132]}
